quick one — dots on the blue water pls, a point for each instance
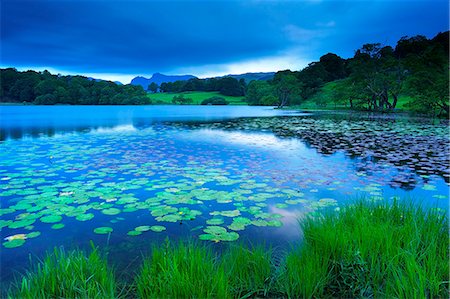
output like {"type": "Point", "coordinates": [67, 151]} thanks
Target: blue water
{"type": "Point", "coordinates": [151, 167]}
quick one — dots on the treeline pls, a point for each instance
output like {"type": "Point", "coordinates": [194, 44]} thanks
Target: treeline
{"type": "Point", "coordinates": [371, 80]}
{"type": "Point", "coordinates": [226, 85]}
{"type": "Point", "coordinates": [43, 88]}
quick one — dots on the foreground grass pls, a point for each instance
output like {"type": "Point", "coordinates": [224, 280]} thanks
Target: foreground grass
{"type": "Point", "coordinates": [196, 96]}
{"type": "Point", "coordinates": [68, 275]}
{"type": "Point", "coordinates": [367, 249]}
{"type": "Point", "coordinates": [187, 270]}
{"type": "Point", "coordinates": [371, 250]}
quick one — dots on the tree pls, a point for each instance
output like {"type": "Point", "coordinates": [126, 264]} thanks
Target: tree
{"type": "Point", "coordinates": [256, 90]}
{"type": "Point", "coordinates": [153, 87]}
{"type": "Point", "coordinates": [287, 88]}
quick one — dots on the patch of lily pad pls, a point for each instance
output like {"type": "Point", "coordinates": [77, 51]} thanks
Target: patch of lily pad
{"type": "Point", "coordinates": [217, 234]}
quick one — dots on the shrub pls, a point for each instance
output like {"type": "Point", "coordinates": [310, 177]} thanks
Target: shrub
{"type": "Point", "coordinates": [215, 101]}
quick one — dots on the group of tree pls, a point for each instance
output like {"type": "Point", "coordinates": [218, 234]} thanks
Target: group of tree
{"type": "Point", "coordinates": [371, 80]}
{"type": "Point", "coordinates": [292, 87]}
{"type": "Point", "coordinates": [226, 85]}
{"type": "Point", "coordinates": [44, 88]}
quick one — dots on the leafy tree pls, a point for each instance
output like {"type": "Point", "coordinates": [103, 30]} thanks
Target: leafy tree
{"type": "Point", "coordinates": [256, 90]}
{"type": "Point", "coordinates": [153, 87]}
{"type": "Point", "coordinates": [287, 88]}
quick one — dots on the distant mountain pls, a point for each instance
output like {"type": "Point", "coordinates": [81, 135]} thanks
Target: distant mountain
{"type": "Point", "coordinates": [158, 79]}
{"type": "Point", "coordinates": [252, 76]}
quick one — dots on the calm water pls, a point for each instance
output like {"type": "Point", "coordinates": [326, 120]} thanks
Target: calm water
{"type": "Point", "coordinates": [217, 174]}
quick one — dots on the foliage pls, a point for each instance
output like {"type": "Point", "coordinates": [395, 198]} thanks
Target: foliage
{"type": "Point", "coordinates": [153, 87]}
{"type": "Point", "coordinates": [182, 271]}
{"type": "Point", "coordinates": [257, 90]}
{"type": "Point", "coordinates": [375, 79]}
{"type": "Point", "coordinates": [68, 275]}
{"type": "Point", "coordinates": [225, 85]}
{"type": "Point", "coordinates": [46, 89]}
{"type": "Point", "coordinates": [180, 99]}
{"type": "Point", "coordinates": [215, 101]}
{"type": "Point", "coordinates": [371, 250]}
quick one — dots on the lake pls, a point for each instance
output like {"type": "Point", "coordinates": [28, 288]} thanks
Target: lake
{"type": "Point", "coordinates": [126, 177]}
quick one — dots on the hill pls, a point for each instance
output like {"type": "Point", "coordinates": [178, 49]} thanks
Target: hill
{"type": "Point", "coordinates": [159, 78]}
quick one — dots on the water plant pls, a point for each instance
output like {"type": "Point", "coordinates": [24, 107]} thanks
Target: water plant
{"type": "Point", "coordinates": [185, 270]}
{"type": "Point", "coordinates": [67, 274]}
{"type": "Point", "coordinates": [371, 249]}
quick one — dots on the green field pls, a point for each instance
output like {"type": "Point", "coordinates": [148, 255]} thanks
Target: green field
{"type": "Point", "coordinates": [196, 96]}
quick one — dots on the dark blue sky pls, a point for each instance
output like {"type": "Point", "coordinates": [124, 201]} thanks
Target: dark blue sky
{"type": "Point", "coordinates": [120, 39]}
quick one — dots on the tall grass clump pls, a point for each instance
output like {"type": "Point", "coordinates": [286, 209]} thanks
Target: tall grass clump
{"type": "Point", "coordinates": [186, 270]}
{"type": "Point", "coordinates": [69, 274]}
{"type": "Point", "coordinates": [372, 250]}
{"type": "Point", "coordinates": [250, 270]}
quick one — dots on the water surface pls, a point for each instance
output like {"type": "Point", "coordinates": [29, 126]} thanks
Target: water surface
{"type": "Point", "coordinates": [214, 174]}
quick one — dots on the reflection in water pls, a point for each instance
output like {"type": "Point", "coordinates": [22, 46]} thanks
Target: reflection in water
{"type": "Point", "coordinates": [116, 129]}
{"type": "Point", "coordinates": [17, 122]}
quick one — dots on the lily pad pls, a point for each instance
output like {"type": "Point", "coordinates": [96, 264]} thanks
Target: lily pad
{"type": "Point", "coordinates": [103, 230]}
{"type": "Point", "coordinates": [142, 228]}
{"type": "Point", "coordinates": [84, 217]}
{"type": "Point", "coordinates": [111, 211]}
{"type": "Point", "coordinates": [214, 221]}
{"type": "Point", "coordinates": [51, 219]}
{"type": "Point", "coordinates": [14, 243]}
{"type": "Point", "coordinates": [158, 228]}
{"type": "Point", "coordinates": [57, 226]}
{"type": "Point", "coordinates": [134, 233]}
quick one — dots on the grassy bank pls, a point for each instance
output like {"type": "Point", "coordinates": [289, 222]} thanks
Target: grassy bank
{"type": "Point", "coordinates": [196, 96]}
{"type": "Point", "coordinates": [364, 250]}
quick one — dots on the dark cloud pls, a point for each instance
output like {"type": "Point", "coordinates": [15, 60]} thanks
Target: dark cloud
{"type": "Point", "coordinates": [149, 36]}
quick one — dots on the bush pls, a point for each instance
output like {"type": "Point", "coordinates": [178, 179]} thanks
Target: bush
{"type": "Point", "coordinates": [215, 101]}
{"type": "Point", "coordinates": [180, 99]}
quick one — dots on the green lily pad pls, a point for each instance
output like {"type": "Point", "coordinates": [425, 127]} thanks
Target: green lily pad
{"type": "Point", "coordinates": [33, 235]}
{"type": "Point", "coordinates": [84, 217]}
{"type": "Point", "coordinates": [14, 243]}
{"type": "Point", "coordinates": [214, 221]}
{"type": "Point", "coordinates": [142, 228]}
{"type": "Point", "coordinates": [111, 211]}
{"type": "Point", "coordinates": [134, 233]}
{"type": "Point", "coordinates": [57, 226]}
{"type": "Point", "coordinates": [103, 230]}
{"type": "Point", "coordinates": [51, 219]}
{"type": "Point", "coordinates": [21, 223]}
{"type": "Point", "coordinates": [217, 234]}
{"type": "Point", "coordinates": [157, 228]}
{"type": "Point", "coordinates": [281, 205]}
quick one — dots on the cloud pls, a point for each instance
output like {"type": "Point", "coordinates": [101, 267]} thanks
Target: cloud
{"type": "Point", "coordinates": [298, 34]}
{"type": "Point", "coordinates": [116, 38]}
{"type": "Point", "coordinates": [263, 64]}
